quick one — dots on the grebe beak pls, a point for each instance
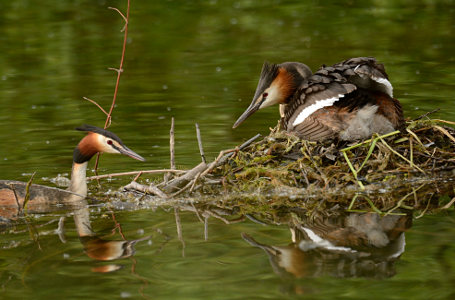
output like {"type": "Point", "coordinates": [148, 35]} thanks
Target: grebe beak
{"type": "Point", "coordinates": [254, 106]}
{"type": "Point", "coordinates": [128, 152]}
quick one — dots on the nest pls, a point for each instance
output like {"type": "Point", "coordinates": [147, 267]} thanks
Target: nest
{"type": "Point", "coordinates": [409, 169]}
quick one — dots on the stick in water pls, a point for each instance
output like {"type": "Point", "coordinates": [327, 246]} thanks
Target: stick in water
{"type": "Point", "coordinates": [199, 141]}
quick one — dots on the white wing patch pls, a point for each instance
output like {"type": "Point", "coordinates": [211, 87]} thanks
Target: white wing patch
{"type": "Point", "coordinates": [388, 88]}
{"type": "Point", "coordinates": [314, 107]}
{"type": "Point", "coordinates": [364, 80]}
{"type": "Point", "coordinates": [325, 244]}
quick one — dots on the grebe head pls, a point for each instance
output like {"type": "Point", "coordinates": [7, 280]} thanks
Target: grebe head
{"type": "Point", "coordinates": [100, 140]}
{"type": "Point", "coordinates": [276, 85]}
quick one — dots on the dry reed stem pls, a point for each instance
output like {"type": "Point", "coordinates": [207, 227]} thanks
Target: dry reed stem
{"type": "Point", "coordinates": [399, 155]}
{"type": "Point", "coordinates": [444, 121]}
{"type": "Point", "coordinates": [444, 131]}
{"type": "Point", "coordinates": [418, 140]}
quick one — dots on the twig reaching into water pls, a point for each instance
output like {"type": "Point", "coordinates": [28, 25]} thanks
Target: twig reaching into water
{"type": "Point", "coordinates": [172, 144]}
{"type": "Point", "coordinates": [199, 141]}
{"type": "Point", "coordinates": [167, 176]}
{"type": "Point", "coordinates": [119, 72]}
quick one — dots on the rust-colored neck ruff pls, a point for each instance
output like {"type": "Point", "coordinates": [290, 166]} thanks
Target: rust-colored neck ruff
{"type": "Point", "coordinates": [86, 148]}
{"type": "Point", "coordinates": [286, 85]}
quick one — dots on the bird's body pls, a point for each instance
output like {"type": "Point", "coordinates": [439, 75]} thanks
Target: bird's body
{"type": "Point", "coordinates": [41, 198]}
{"type": "Point", "coordinates": [349, 100]}
{"type": "Point", "coordinates": [343, 244]}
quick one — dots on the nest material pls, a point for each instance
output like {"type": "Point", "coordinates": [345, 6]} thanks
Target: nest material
{"type": "Point", "coordinates": [407, 169]}
{"type": "Point", "coordinates": [423, 150]}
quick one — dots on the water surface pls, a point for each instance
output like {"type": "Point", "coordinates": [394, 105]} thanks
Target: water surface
{"type": "Point", "coordinates": [198, 61]}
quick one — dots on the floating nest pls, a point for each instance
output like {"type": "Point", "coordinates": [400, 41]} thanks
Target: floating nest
{"type": "Point", "coordinates": [412, 168]}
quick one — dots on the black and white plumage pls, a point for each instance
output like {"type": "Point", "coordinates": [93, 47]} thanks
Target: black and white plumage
{"type": "Point", "coordinates": [349, 100]}
{"type": "Point", "coordinates": [359, 242]}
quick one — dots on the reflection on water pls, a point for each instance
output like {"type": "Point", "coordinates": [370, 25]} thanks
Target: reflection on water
{"type": "Point", "coordinates": [348, 245]}
{"type": "Point", "coordinates": [212, 244]}
{"type": "Point", "coordinates": [101, 249]}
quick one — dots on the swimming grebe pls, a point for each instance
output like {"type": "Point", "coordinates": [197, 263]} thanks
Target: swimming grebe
{"type": "Point", "coordinates": [12, 193]}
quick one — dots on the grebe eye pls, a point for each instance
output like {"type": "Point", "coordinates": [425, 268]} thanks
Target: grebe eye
{"type": "Point", "coordinates": [265, 95]}
{"type": "Point", "coordinates": [109, 142]}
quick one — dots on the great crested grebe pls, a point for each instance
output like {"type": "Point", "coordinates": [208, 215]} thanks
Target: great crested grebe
{"type": "Point", "coordinates": [347, 244]}
{"type": "Point", "coordinates": [349, 100]}
{"type": "Point", "coordinates": [12, 193]}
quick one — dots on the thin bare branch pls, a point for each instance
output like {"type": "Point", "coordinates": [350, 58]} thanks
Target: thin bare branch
{"type": "Point", "coordinates": [122, 15]}
{"type": "Point", "coordinates": [137, 176]}
{"type": "Point", "coordinates": [125, 36]}
{"type": "Point", "coordinates": [116, 70]}
{"type": "Point", "coordinates": [99, 106]}
{"type": "Point", "coordinates": [199, 141]}
{"type": "Point", "coordinates": [195, 181]}
{"type": "Point", "coordinates": [448, 205]}
{"type": "Point", "coordinates": [224, 155]}
{"type": "Point", "coordinates": [108, 121]}
{"type": "Point", "coordinates": [136, 172]}
{"type": "Point", "coordinates": [172, 144]}
{"type": "Point", "coordinates": [176, 183]}
{"type": "Point", "coordinates": [187, 186]}
{"type": "Point", "coordinates": [150, 189]}
{"type": "Point", "coordinates": [426, 114]}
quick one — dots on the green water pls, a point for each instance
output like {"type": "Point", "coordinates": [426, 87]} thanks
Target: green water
{"type": "Point", "coordinates": [198, 61]}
